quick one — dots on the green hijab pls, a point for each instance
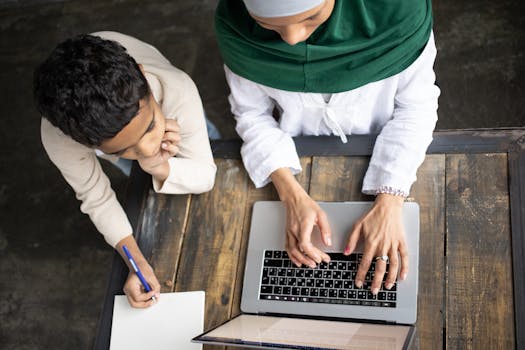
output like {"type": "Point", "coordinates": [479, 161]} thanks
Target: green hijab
{"type": "Point", "coordinates": [363, 41]}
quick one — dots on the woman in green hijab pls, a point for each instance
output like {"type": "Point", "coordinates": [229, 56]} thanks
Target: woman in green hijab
{"type": "Point", "coordinates": [336, 67]}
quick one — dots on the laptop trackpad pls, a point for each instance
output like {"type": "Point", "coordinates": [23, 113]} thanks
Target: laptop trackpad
{"type": "Point", "coordinates": [278, 332]}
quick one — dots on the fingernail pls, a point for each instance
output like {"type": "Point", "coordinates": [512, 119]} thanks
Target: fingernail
{"type": "Point", "coordinates": [347, 251]}
{"type": "Point", "coordinates": [404, 276]}
{"type": "Point", "coordinates": [164, 145]}
{"type": "Point", "coordinates": [375, 290]}
{"type": "Point", "coordinates": [329, 241]}
{"type": "Point", "coordinates": [389, 285]}
{"type": "Point", "coordinates": [358, 284]}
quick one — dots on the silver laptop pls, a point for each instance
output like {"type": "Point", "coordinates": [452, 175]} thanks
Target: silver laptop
{"type": "Point", "coordinates": [303, 308]}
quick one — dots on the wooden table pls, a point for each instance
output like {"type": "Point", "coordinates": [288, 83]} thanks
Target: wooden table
{"type": "Point", "coordinates": [471, 192]}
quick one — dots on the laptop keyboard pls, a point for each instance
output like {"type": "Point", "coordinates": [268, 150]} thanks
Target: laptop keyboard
{"type": "Point", "coordinates": [329, 283]}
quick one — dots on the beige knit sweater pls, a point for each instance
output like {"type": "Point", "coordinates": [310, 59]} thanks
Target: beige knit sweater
{"type": "Point", "coordinates": [191, 171]}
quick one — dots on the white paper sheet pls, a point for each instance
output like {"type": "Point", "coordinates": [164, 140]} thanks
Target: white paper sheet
{"type": "Point", "coordinates": [168, 325]}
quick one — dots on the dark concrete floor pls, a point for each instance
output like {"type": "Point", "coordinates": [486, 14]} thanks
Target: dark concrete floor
{"type": "Point", "coordinates": [53, 264]}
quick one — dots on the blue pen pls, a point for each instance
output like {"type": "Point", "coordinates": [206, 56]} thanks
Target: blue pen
{"type": "Point", "coordinates": [137, 271]}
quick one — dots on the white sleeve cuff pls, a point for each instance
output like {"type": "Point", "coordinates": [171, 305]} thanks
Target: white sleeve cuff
{"type": "Point", "coordinates": [187, 176]}
{"type": "Point", "coordinates": [260, 166]}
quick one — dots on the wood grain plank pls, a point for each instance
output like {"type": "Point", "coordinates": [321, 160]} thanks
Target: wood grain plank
{"type": "Point", "coordinates": [212, 241]}
{"type": "Point", "coordinates": [162, 232]}
{"type": "Point", "coordinates": [429, 192]}
{"type": "Point", "coordinates": [479, 268]}
{"type": "Point", "coordinates": [338, 178]}
{"type": "Point", "coordinates": [259, 194]}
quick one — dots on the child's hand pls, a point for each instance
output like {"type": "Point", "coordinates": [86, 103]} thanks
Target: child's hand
{"type": "Point", "coordinates": [157, 165]}
{"type": "Point", "coordinates": [171, 138]}
{"type": "Point", "coordinates": [137, 297]}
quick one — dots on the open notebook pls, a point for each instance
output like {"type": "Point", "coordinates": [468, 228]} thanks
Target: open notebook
{"type": "Point", "coordinates": [169, 324]}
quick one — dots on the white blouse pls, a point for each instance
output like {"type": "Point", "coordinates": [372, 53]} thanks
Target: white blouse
{"type": "Point", "coordinates": [402, 109]}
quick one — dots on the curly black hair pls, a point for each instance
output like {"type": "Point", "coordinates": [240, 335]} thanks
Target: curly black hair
{"type": "Point", "coordinates": [89, 88]}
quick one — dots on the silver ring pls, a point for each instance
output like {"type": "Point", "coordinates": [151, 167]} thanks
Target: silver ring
{"type": "Point", "coordinates": [382, 257]}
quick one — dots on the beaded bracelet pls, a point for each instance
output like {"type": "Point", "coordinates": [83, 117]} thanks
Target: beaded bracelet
{"type": "Point", "coordinates": [392, 191]}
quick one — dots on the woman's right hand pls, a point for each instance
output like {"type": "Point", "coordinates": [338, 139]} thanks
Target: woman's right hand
{"type": "Point", "coordinates": [302, 213]}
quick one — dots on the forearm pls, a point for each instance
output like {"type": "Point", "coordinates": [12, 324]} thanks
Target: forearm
{"type": "Point", "coordinates": [287, 187]}
{"type": "Point", "coordinates": [390, 201]}
{"type": "Point", "coordinates": [136, 253]}
{"type": "Point", "coordinates": [159, 173]}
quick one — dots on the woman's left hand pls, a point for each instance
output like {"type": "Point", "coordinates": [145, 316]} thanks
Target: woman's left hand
{"type": "Point", "coordinates": [382, 231]}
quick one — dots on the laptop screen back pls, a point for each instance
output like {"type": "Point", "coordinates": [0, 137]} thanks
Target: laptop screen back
{"type": "Point", "coordinates": [268, 332]}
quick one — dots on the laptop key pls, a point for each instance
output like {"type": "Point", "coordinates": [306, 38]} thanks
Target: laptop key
{"type": "Point", "coordinates": [266, 289]}
{"type": "Point", "coordinates": [310, 282]}
{"type": "Point", "coordinates": [273, 263]}
{"type": "Point", "coordinates": [338, 256]}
